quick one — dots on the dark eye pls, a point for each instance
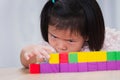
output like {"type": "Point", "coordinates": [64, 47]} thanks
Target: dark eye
{"type": "Point", "coordinates": [70, 40]}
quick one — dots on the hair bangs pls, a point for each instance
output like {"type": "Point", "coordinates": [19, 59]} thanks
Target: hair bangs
{"type": "Point", "coordinates": [76, 25]}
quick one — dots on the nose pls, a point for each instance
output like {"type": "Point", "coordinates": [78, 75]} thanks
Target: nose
{"type": "Point", "coordinates": [61, 46]}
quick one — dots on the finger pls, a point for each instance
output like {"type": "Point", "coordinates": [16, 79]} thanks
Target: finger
{"type": "Point", "coordinates": [37, 53]}
{"type": "Point", "coordinates": [26, 56]}
{"type": "Point", "coordinates": [44, 53]}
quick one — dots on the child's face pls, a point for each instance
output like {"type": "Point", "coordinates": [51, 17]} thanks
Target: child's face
{"type": "Point", "coordinates": [64, 41]}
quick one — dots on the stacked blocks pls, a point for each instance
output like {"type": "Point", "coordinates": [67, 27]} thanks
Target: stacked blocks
{"type": "Point", "coordinates": [78, 62]}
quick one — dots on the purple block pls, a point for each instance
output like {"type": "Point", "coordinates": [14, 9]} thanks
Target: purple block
{"type": "Point", "coordinates": [49, 68]}
{"type": "Point", "coordinates": [118, 65]}
{"type": "Point", "coordinates": [64, 67]}
{"type": "Point", "coordinates": [73, 67]}
{"type": "Point", "coordinates": [92, 66]}
{"type": "Point", "coordinates": [111, 65]}
{"type": "Point", "coordinates": [82, 67]}
{"type": "Point", "coordinates": [102, 66]}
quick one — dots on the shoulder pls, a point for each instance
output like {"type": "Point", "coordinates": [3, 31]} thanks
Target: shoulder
{"type": "Point", "coordinates": [112, 39]}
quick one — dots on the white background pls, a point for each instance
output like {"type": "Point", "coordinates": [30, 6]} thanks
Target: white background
{"type": "Point", "coordinates": [19, 25]}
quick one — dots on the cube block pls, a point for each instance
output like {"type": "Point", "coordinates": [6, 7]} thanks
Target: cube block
{"type": "Point", "coordinates": [64, 67]}
{"type": "Point", "coordinates": [102, 66]}
{"type": "Point", "coordinates": [73, 67]}
{"type": "Point", "coordinates": [101, 56]}
{"type": "Point", "coordinates": [54, 58]}
{"type": "Point", "coordinates": [118, 55]}
{"type": "Point", "coordinates": [34, 68]}
{"type": "Point", "coordinates": [82, 67]}
{"type": "Point", "coordinates": [63, 57]}
{"type": "Point", "coordinates": [111, 56]}
{"type": "Point", "coordinates": [73, 58]}
{"type": "Point", "coordinates": [111, 65]}
{"type": "Point", "coordinates": [118, 65]}
{"type": "Point", "coordinates": [82, 57]}
{"type": "Point", "coordinates": [92, 66]}
{"type": "Point", "coordinates": [49, 68]}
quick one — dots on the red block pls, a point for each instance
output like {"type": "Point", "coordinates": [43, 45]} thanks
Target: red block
{"type": "Point", "coordinates": [34, 68]}
{"type": "Point", "coordinates": [63, 57]}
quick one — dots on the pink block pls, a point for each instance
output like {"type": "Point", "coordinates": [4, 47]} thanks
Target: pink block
{"type": "Point", "coordinates": [82, 67]}
{"type": "Point", "coordinates": [102, 66]}
{"type": "Point", "coordinates": [73, 67]}
{"type": "Point", "coordinates": [111, 65]}
{"type": "Point", "coordinates": [49, 68]}
{"type": "Point", "coordinates": [64, 67]}
{"type": "Point", "coordinates": [118, 65]}
{"type": "Point", "coordinates": [92, 66]}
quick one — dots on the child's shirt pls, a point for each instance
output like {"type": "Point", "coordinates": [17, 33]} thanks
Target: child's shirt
{"type": "Point", "coordinates": [111, 43]}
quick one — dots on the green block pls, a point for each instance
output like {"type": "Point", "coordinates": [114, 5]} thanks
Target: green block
{"type": "Point", "coordinates": [118, 55]}
{"type": "Point", "coordinates": [73, 57]}
{"type": "Point", "coordinates": [111, 56]}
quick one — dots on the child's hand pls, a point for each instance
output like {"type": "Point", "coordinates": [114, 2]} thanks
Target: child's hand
{"type": "Point", "coordinates": [39, 51]}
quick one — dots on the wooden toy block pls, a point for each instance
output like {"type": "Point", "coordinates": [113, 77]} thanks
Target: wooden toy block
{"type": "Point", "coordinates": [54, 58]}
{"type": "Point", "coordinates": [73, 57]}
{"type": "Point", "coordinates": [118, 65]}
{"type": "Point", "coordinates": [96, 56]}
{"type": "Point", "coordinates": [78, 62]}
{"type": "Point", "coordinates": [82, 57]}
{"type": "Point", "coordinates": [91, 57]}
{"type": "Point", "coordinates": [118, 55]}
{"type": "Point", "coordinates": [111, 56]}
{"type": "Point", "coordinates": [63, 57]}
{"type": "Point", "coordinates": [111, 65]}
{"type": "Point", "coordinates": [92, 66]}
{"type": "Point", "coordinates": [82, 67]}
{"type": "Point", "coordinates": [34, 68]}
{"type": "Point", "coordinates": [100, 56]}
{"type": "Point", "coordinates": [102, 66]}
{"type": "Point", "coordinates": [73, 67]}
{"type": "Point", "coordinates": [49, 68]}
{"type": "Point", "coordinates": [64, 67]}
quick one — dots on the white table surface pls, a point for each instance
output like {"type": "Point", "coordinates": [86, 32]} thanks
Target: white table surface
{"type": "Point", "coordinates": [23, 74]}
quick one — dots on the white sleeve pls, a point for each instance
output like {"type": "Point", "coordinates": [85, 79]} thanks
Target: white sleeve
{"type": "Point", "coordinates": [46, 44]}
{"type": "Point", "coordinates": [112, 40]}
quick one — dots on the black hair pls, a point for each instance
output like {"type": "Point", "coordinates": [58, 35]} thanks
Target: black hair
{"type": "Point", "coordinates": [83, 17]}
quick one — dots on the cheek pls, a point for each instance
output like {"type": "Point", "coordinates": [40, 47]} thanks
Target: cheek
{"type": "Point", "coordinates": [51, 41]}
{"type": "Point", "coordinates": [77, 46]}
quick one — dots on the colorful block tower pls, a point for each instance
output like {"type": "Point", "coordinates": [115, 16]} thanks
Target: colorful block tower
{"type": "Point", "coordinates": [78, 62]}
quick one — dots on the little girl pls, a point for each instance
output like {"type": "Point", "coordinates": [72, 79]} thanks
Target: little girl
{"type": "Point", "coordinates": [70, 26]}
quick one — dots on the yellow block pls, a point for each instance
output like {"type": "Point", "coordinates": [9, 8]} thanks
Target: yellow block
{"type": "Point", "coordinates": [96, 56]}
{"type": "Point", "coordinates": [54, 58]}
{"type": "Point", "coordinates": [101, 56]}
{"type": "Point", "coordinates": [82, 57]}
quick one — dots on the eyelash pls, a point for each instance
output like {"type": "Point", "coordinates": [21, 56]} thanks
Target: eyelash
{"type": "Point", "coordinates": [53, 36]}
{"type": "Point", "coordinates": [70, 41]}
